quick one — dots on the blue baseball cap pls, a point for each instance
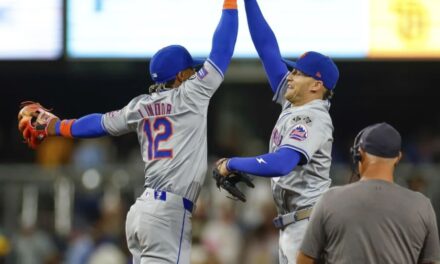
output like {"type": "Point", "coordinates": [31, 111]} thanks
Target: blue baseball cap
{"type": "Point", "coordinates": [169, 61]}
{"type": "Point", "coordinates": [317, 66]}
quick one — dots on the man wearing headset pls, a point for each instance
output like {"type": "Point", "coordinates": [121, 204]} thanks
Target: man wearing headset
{"type": "Point", "coordinates": [372, 220]}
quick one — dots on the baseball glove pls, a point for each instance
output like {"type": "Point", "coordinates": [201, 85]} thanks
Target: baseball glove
{"type": "Point", "coordinates": [229, 183]}
{"type": "Point", "coordinates": [33, 120]}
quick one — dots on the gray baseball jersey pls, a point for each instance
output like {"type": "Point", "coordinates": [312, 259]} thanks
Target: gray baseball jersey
{"type": "Point", "coordinates": [171, 127]}
{"type": "Point", "coordinates": [307, 129]}
{"type": "Point", "coordinates": [373, 221]}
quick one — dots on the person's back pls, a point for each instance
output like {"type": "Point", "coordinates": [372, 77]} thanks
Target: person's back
{"type": "Point", "coordinates": [375, 221]}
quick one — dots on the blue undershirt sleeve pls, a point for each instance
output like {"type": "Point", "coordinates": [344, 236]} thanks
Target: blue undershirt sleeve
{"type": "Point", "coordinates": [266, 44]}
{"type": "Point", "coordinates": [223, 41]}
{"type": "Point", "coordinates": [89, 126]}
{"type": "Point", "coordinates": [275, 164]}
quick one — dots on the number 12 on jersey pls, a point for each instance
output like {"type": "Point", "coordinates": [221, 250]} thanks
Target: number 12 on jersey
{"type": "Point", "coordinates": [158, 130]}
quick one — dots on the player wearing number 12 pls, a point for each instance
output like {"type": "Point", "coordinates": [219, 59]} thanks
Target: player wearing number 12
{"type": "Point", "coordinates": [171, 125]}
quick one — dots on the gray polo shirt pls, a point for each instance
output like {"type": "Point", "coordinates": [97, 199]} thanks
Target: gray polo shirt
{"type": "Point", "coordinates": [372, 221]}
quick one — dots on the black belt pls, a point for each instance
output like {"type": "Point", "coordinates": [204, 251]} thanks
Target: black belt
{"type": "Point", "coordinates": [282, 221]}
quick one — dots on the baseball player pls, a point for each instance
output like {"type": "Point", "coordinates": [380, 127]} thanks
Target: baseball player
{"type": "Point", "coordinates": [171, 125]}
{"type": "Point", "coordinates": [299, 155]}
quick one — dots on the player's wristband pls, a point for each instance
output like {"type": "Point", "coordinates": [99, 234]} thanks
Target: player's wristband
{"type": "Point", "coordinates": [57, 128]}
{"type": "Point", "coordinates": [63, 128]}
{"type": "Point", "coordinates": [230, 4]}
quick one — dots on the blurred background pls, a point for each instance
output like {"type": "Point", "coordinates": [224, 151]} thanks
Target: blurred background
{"type": "Point", "coordinates": [66, 202]}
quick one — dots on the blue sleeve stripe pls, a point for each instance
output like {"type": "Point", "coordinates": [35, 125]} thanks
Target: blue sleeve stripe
{"type": "Point", "coordinates": [181, 235]}
{"type": "Point", "coordinates": [297, 149]}
{"type": "Point", "coordinates": [215, 67]}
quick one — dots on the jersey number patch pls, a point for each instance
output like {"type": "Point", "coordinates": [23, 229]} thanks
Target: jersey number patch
{"type": "Point", "coordinates": [160, 129]}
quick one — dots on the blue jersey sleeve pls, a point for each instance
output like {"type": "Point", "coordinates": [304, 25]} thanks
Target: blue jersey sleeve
{"type": "Point", "coordinates": [223, 42]}
{"type": "Point", "coordinates": [266, 44]}
{"type": "Point", "coordinates": [89, 126]}
{"type": "Point", "coordinates": [275, 164]}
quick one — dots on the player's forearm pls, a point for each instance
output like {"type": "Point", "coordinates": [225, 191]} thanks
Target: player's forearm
{"type": "Point", "coordinates": [89, 126]}
{"type": "Point", "coordinates": [262, 35]}
{"type": "Point", "coordinates": [265, 43]}
{"type": "Point", "coordinates": [275, 164]}
{"type": "Point", "coordinates": [225, 36]}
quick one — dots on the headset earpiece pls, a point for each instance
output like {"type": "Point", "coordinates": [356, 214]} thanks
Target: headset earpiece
{"type": "Point", "coordinates": [356, 156]}
{"type": "Point", "coordinates": [354, 150]}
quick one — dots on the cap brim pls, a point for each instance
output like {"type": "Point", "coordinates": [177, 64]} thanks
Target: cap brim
{"type": "Point", "coordinates": [289, 63]}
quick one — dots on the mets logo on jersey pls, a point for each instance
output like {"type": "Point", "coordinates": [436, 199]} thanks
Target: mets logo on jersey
{"type": "Point", "coordinates": [299, 132]}
{"type": "Point", "coordinates": [202, 73]}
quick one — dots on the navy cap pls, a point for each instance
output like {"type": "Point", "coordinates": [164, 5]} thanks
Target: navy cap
{"type": "Point", "coordinates": [169, 61]}
{"type": "Point", "coordinates": [317, 66]}
{"type": "Point", "coordinates": [381, 140]}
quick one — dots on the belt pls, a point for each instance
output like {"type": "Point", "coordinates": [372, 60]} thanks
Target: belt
{"type": "Point", "coordinates": [282, 221]}
{"type": "Point", "coordinates": [162, 195]}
